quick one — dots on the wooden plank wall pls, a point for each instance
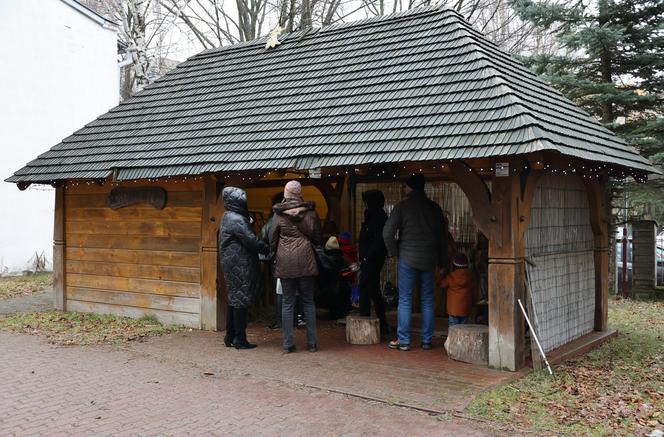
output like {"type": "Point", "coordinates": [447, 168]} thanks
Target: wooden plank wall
{"type": "Point", "coordinates": [135, 260]}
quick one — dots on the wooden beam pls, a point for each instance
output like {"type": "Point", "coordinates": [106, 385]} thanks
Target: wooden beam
{"type": "Point", "coordinates": [502, 215]}
{"type": "Point", "coordinates": [59, 245]}
{"type": "Point", "coordinates": [477, 193]}
{"type": "Point", "coordinates": [595, 187]}
{"type": "Point", "coordinates": [499, 215]}
{"type": "Point", "coordinates": [212, 292]}
{"type": "Point", "coordinates": [345, 205]}
{"type": "Point", "coordinates": [528, 181]}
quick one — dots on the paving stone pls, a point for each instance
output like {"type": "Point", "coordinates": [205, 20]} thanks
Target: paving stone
{"type": "Point", "coordinates": [184, 402]}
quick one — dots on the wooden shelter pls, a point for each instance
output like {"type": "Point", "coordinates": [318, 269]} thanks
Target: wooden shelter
{"type": "Point", "coordinates": [137, 190]}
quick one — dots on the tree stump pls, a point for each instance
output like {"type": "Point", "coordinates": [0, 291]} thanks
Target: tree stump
{"type": "Point", "coordinates": [468, 343]}
{"type": "Point", "coordinates": [362, 330]}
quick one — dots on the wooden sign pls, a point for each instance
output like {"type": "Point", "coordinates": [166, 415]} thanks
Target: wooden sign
{"type": "Point", "coordinates": [122, 197]}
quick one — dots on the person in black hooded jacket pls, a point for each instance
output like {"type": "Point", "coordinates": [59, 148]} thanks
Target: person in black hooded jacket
{"type": "Point", "coordinates": [372, 256]}
{"type": "Point", "coordinates": [238, 253]}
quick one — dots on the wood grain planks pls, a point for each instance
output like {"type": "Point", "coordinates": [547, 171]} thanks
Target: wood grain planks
{"type": "Point", "coordinates": [134, 213]}
{"type": "Point", "coordinates": [170, 187]}
{"type": "Point", "coordinates": [176, 228]}
{"type": "Point", "coordinates": [134, 270]}
{"type": "Point", "coordinates": [146, 257]}
{"type": "Point", "coordinates": [100, 200]}
{"type": "Point", "coordinates": [135, 260]}
{"type": "Point", "coordinates": [138, 300]}
{"type": "Point", "coordinates": [166, 317]}
{"type": "Point", "coordinates": [175, 244]}
{"type": "Point", "coordinates": [101, 282]}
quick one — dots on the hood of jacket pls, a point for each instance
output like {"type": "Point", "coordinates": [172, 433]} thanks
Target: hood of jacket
{"type": "Point", "coordinates": [293, 209]}
{"type": "Point", "coordinates": [375, 199]}
{"type": "Point", "coordinates": [235, 200]}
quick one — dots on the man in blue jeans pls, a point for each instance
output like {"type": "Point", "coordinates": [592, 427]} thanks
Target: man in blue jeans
{"type": "Point", "coordinates": [416, 234]}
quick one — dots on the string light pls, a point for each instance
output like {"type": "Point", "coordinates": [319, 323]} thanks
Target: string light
{"type": "Point", "coordinates": [583, 170]}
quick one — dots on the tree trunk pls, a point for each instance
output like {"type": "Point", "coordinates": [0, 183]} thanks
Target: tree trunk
{"type": "Point", "coordinates": [468, 343]}
{"type": "Point", "coordinates": [136, 24]}
{"type": "Point", "coordinates": [605, 63]}
{"type": "Point", "coordinates": [362, 330]}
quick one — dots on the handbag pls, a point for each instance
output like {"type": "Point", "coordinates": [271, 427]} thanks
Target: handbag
{"type": "Point", "coordinates": [390, 295]}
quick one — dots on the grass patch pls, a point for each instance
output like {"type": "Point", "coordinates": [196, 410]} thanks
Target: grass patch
{"type": "Point", "coordinates": [616, 389]}
{"type": "Point", "coordinates": [15, 286]}
{"type": "Point", "coordinates": [84, 328]}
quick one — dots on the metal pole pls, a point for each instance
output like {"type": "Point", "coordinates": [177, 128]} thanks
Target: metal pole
{"type": "Point", "coordinates": [625, 286]}
{"type": "Point", "coordinates": [532, 332]}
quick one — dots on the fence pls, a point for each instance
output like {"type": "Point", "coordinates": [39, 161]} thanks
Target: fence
{"type": "Point", "coordinates": [560, 242]}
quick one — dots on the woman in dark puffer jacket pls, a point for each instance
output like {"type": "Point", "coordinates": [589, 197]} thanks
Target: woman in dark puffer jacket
{"type": "Point", "coordinates": [239, 248]}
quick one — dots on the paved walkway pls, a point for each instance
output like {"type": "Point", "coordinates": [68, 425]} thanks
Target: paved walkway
{"type": "Point", "coordinates": [188, 383]}
{"type": "Point", "coordinates": [40, 301]}
{"type": "Point", "coordinates": [50, 390]}
{"type": "Point", "coordinates": [421, 379]}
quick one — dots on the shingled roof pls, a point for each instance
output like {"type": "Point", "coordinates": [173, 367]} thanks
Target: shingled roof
{"type": "Point", "coordinates": [415, 86]}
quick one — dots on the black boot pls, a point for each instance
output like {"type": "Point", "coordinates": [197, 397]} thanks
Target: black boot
{"type": "Point", "coordinates": [244, 345]}
{"type": "Point", "coordinates": [240, 322]}
{"type": "Point", "coordinates": [230, 327]}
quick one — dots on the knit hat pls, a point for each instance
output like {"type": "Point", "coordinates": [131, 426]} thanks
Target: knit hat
{"type": "Point", "coordinates": [332, 243]}
{"type": "Point", "coordinates": [416, 182]}
{"type": "Point", "coordinates": [293, 190]}
{"type": "Point", "coordinates": [345, 238]}
{"type": "Point", "coordinates": [460, 261]}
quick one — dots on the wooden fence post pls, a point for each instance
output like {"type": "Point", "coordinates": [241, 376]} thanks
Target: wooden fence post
{"type": "Point", "coordinates": [599, 224]}
{"type": "Point", "coordinates": [506, 275]}
{"type": "Point", "coordinates": [59, 245]}
{"type": "Point", "coordinates": [212, 291]}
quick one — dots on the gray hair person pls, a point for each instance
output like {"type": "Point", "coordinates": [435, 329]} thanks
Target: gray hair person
{"type": "Point", "coordinates": [295, 229]}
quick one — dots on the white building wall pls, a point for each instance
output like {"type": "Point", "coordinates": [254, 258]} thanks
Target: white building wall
{"type": "Point", "coordinates": [58, 73]}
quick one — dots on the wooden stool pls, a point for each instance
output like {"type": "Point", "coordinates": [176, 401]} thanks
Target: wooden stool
{"type": "Point", "coordinates": [468, 343]}
{"type": "Point", "coordinates": [362, 330]}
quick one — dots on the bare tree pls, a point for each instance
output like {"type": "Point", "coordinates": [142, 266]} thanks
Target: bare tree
{"type": "Point", "coordinates": [494, 18]}
{"type": "Point", "coordinates": [142, 25]}
{"type": "Point", "coordinates": [215, 23]}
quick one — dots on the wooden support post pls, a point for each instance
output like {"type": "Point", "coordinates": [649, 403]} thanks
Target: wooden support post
{"type": "Point", "coordinates": [502, 215]}
{"type": "Point", "coordinates": [506, 275]}
{"type": "Point", "coordinates": [59, 250]}
{"type": "Point", "coordinates": [212, 290]}
{"type": "Point", "coordinates": [599, 224]}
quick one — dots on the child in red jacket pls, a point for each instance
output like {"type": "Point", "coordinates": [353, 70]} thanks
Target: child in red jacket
{"type": "Point", "coordinates": [460, 286]}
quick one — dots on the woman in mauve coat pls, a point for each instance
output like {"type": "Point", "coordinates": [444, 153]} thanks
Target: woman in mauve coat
{"type": "Point", "coordinates": [239, 248]}
{"type": "Point", "coordinates": [295, 229]}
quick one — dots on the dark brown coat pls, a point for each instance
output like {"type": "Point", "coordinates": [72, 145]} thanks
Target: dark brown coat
{"type": "Point", "coordinates": [295, 227]}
